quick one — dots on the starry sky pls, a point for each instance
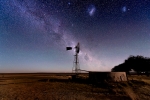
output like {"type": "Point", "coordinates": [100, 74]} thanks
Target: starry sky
{"type": "Point", "coordinates": [34, 34]}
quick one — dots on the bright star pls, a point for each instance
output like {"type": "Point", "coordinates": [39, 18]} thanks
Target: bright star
{"type": "Point", "coordinates": [69, 3]}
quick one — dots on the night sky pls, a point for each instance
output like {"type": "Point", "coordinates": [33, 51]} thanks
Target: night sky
{"type": "Point", "coordinates": [34, 33]}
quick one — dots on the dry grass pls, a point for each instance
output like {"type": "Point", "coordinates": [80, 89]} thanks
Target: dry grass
{"type": "Point", "coordinates": [54, 87]}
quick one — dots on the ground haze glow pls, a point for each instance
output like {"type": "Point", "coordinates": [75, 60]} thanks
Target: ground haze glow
{"type": "Point", "coordinates": [34, 34]}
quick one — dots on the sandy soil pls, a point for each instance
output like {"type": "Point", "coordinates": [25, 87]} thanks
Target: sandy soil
{"type": "Point", "coordinates": [54, 87]}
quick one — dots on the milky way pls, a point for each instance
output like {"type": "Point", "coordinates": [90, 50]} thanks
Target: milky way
{"type": "Point", "coordinates": [34, 34]}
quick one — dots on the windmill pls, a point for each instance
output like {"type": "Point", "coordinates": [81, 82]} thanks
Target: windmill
{"type": "Point", "coordinates": [76, 67]}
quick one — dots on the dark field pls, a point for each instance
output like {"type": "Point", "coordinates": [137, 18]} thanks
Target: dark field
{"type": "Point", "coordinates": [60, 86]}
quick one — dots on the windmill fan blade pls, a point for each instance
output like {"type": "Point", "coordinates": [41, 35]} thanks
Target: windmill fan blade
{"type": "Point", "coordinates": [68, 48]}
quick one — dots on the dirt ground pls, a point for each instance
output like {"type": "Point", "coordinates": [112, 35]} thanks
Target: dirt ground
{"type": "Point", "coordinates": [62, 87]}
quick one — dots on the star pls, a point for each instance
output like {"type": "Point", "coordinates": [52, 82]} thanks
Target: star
{"type": "Point", "coordinates": [69, 3]}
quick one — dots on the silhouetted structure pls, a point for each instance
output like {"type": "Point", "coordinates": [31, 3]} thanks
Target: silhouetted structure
{"type": "Point", "coordinates": [138, 63]}
{"type": "Point", "coordinates": [96, 77]}
{"type": "Point", "coordinates": [76, 67]}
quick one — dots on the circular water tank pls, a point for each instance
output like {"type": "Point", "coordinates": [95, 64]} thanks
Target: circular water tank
{"type": "Point", "coordinates": [107, 76]}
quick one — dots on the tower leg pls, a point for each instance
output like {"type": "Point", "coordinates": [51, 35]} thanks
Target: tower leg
{"type": "Point", "coordinates": [76, 67]}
